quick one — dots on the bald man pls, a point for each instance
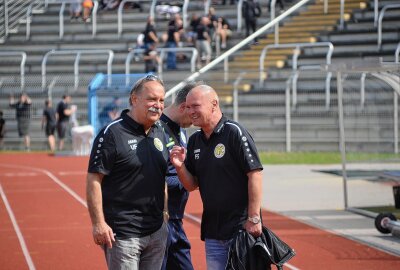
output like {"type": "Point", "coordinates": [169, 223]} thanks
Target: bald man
{"type": "Point", "coordinates": [222, 161]}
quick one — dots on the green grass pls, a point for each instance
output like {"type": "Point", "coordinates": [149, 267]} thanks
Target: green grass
{"type": "Point", "coordinates": [323, 157]}
{"type": "Point", "coordinates": [384, 209]}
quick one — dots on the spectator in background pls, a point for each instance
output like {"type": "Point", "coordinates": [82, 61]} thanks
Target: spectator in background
{"type": "Point", "coordinates": [203, 43]}
{"type": "Point", "coordinates": [151, 58]}
{"type": "Point", "coordinates": [49, 121]}
{"type": "Point", "coordinates": [64, 111]}
{"type": "Point", "coordinates": [110, 112]}
{"type": "Point", "coordinates": [280, 2]}
{"type": "Point", "coordinates": [23, 115]}
{"type": "Point", "coordinates": [2, 128]}
{"type": "Point", "coordinates": [173, 39]}
{"type": "Point", "coordinates": [212, 23]}
{"type": "Point", "coordinates": [251, 10]}
{"type": "Point", "coordinates": [150, 34]}
{"type": "Point", "coordinates": [192, 33]}
{"type": "Point", "coordinates": [87, 9]}
{"type": "Point", "coordinates": [75, 9]}
{"type": "Point", "coordinates": [223, 31]}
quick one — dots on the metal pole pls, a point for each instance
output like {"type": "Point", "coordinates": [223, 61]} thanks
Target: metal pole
{"type": "Point", "coordinates": [396, 122]}
{"type": "Point", "coordinates": [342, 144]}
{"type": "Point", "coordinates": [61, 20]}
{"type": "Point", "coordinates": [288, 117]}
{"type": "Point", "coordinates": [239, 15]}
{"type": "Point", "coordinates": [341, 14]}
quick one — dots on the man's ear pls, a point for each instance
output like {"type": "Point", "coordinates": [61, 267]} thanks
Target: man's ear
{"type": "Point", "coordinates": [133, 99]}
{"type": "Point", "coordinates": [182, 107]}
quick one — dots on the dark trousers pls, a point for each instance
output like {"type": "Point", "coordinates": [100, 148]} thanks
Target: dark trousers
{"type": "Point", "coordinates": [177, 253]}
{"type": "Point", "coordinates": [253, 25]}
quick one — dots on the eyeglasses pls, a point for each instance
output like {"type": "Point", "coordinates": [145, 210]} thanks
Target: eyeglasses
{"type": "Point", "coordinates": [148, 78]}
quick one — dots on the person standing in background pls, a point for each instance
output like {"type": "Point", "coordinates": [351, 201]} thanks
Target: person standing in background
{"type": "Point", "coordinates": [64, 111]}
{"type": "Point", "coordinates": [49, 123]}
{"type": "Point", "coordinates": [23, 115]}
{"type": "Point", "coordinates": [2, 129]}
{"type": "Point", "coordinates": [175, 120]}
{"type": "Point", "coordinates": [251, 10]}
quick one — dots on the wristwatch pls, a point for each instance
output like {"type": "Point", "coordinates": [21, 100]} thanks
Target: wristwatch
{"type": "Point", "coordinates": [255, 219]}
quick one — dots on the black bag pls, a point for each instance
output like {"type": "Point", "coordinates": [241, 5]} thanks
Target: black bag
{"type": "Point", "coordinates": [247, 252]}
{"type": "Point", "coordinates": [278, 251]}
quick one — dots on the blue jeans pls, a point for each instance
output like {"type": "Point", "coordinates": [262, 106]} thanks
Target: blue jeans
{"type": "Point", "coordinates": [171, 56]}
{"type": "Point", "coordinates": [217, 253]}
{"type": "Point", "coordinates": [144, 253]}
{"type": "Point", "coordinates": [177, 254]}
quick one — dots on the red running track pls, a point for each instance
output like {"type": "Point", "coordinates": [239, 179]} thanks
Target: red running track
{"type": "Point", "coordinates": [51, 228]}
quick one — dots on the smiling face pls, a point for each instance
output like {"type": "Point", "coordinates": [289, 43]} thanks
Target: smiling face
{"type": "Point", "coordinates": [148, 103]}
{"type": "Point", "coordinates": [201, 104]}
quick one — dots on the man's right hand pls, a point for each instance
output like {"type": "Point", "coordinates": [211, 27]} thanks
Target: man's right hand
{"type": "Point", "coordinates": [103, 234]}
{"type": "Point", "coordinates": [177, 156]}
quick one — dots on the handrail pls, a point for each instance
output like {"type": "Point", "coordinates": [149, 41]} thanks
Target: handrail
{"type": "Point", "coordinates": [22, 64]}
{"type": "Point", "coordinates": [78, 54]}
{"type": "Point", "coordinates": [28, 22]}
{"type": "Point", "coordinates": [296, 52]}
{"type": "Point", "coordinates": [225, 55]}
{"type": "Point", "coordinates": [235, 96]}
{"type": "Point", "coordinates": [194, 52]}
{"type": "Point", "coordinates": [207, 5]}
{"type": "Point", "coordinates": [185, 13]}
{"type": "Point", "coordinates": [288, 116]}
{"type": "Point", "coordinates": [239, 15]}
{"type": "Point", "coordinates": [362, 89]}
{"type": "Point", "coordinates": [14, 12]}
{"type": "Point", "coordinates": [341, 24]}
{"type": "Point", "coordinates": [276, 30]}
{"type": "Point", "coordinates": [376, 9]}
{"type": "Point", "coordinates": [120, 15]}
{"type": "Point", "coordinates": [93, 14]}
{"type": "Point", "coordinates": [162, 52]}
{"type": "Point", "coordinates": [380, 21]}
{"type": "Point", "coordinates": [397, 53]}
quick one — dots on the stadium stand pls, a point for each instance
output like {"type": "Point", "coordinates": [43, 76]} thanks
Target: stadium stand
{"type": "Point", "coordinates": [262, 106]}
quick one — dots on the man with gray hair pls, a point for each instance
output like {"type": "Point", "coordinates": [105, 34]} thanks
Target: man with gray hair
{"type": "Point", "coordinates": [126, 182]}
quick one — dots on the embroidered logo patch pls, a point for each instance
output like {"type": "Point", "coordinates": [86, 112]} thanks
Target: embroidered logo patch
{"type": "Point", "coordinates": [219, 150]}
{"type": "Point", "coordinates": [158, 144]}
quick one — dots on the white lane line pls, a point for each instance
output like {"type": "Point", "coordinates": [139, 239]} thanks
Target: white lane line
{"type": "Point", "coordinates": [17, 231]}
{"type": "Point", "coordinates": [73, 173]}
{"type": "Point", "coordinates": [52, 177]}
{"type": "Point", "coordinates": [198, 220]}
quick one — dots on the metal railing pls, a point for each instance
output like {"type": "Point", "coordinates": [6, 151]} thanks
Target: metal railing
{"type": "Point", "coordinates": [162, 52]}
{"type": "Point", "coordinates": [236, 96]}
{"type": "Point", "coordinates": [239, 15]}
{"type": "Point", "coordinates": [185, 13]}
{"type": "Point", "coordinates": [380, 21]}
{"type": "Point", "coordinates": [296, 52]}
{"type": "Point", "coordinates": [376, 12]}
{"type": "Point", "coordinates": [14, 12]}
{"type": "Point", "coordinates": [121, 9]}
{"type": "Point", "coordinates": [241, 44]}
{"type": "Point", "coordinates": [77, 54]}
{"type": "Point", "coordinates": [22, 64]}
{"type": "Point", "coordinates": [93, 14]}
{"type": "Point", "coordinates": [397, 53]}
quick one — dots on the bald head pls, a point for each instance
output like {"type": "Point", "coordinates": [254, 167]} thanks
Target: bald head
{"type": "Point", "coordinates": [203, 107]}
{"type": "Point", "coordinates": [206, 92]}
